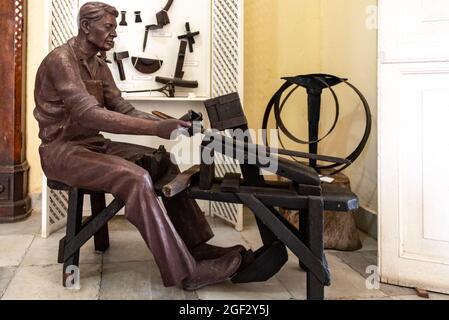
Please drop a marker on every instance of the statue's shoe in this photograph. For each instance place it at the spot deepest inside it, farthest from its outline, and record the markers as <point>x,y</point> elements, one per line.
<point>207,252</point>
<point>210,272</point>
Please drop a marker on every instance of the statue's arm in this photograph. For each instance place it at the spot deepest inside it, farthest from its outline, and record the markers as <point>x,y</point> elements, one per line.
<point>85,109</point>
<point>143,115</point>
<point>114,100</point>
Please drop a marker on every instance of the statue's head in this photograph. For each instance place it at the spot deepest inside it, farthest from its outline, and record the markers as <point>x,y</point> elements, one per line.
<point>97,21</point>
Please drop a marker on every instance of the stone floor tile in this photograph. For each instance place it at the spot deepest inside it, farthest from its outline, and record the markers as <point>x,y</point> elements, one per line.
<point>392,291</point>
<point>293,279</point>
<point>212,221</point>
<point>127,246</point>
<point>30,226</point>
<point>120,223</point>
<point>347,283</point>
<point>367,299</point>
<point>369,244</point>
<point>432,296</point>
<point>270,290</point>
<point>160,292</point>
<point>359,261</point>
<point>252,236</point>
<point>13,249</point>
<point>44,283</point>
<point>6,275</point>
<point>126,281</point>
<point>226,236</point>
<point>45,252</point>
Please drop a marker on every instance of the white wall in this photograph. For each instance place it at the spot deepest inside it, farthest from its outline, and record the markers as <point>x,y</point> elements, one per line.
<point>37,48</point>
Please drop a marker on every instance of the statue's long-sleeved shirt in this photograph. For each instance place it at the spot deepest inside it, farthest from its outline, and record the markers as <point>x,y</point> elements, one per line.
<point>75,101</point>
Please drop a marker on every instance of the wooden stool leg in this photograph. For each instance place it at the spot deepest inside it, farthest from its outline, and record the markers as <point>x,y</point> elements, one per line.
<point>302,234</point>
<point>74,223</point>
<point>314,220</point>
<point>98,204</point>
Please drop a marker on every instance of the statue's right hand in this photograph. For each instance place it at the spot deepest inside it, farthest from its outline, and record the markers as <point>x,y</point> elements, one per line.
<point>166,129</point>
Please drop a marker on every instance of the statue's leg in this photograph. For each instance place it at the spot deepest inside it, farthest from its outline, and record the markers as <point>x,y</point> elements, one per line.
<point>80,167</point>
<point>185,214</point>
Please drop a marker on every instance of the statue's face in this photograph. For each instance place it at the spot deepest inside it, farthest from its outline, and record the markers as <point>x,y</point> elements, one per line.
<point>103,32</point>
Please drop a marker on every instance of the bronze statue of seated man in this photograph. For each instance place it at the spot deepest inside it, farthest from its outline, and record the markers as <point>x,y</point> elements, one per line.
<point>76,99</point>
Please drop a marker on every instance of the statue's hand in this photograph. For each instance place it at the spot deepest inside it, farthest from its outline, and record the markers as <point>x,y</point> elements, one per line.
<point>168,129</point>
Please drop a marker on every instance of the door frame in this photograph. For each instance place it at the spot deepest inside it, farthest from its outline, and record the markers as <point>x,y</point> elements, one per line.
<point>395,263</point>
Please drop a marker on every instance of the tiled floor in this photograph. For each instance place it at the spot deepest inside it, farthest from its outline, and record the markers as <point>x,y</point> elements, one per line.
<point>28,269</point>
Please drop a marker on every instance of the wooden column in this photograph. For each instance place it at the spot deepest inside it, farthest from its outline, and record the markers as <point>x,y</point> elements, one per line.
<point>15,204</point>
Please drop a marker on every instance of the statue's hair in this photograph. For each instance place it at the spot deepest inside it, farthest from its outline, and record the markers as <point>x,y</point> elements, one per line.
<point>94,11</point>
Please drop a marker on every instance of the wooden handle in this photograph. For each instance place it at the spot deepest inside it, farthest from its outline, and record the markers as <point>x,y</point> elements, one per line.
<point>121,70</point>
<point>162,116</point>
<point>180,183</point>
<point>168,5</point>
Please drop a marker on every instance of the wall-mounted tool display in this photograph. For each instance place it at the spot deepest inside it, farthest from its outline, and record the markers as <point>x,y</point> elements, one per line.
<point>189,36</point>
<point>169,89</point>
<point>178,81</point>
<point>123,21</point>
<point>145,65</point>
<point>138,15</point>
<point>160,65</point>
<point>119,57</point>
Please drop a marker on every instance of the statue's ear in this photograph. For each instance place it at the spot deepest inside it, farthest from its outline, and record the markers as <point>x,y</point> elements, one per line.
<point>85,26</point>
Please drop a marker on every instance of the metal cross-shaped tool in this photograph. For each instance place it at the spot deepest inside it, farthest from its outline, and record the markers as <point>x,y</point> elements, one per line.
<point>178,81</point>
<point>190,36</point>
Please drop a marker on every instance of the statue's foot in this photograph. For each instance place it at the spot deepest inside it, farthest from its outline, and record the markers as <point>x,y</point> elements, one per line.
<point>210,272</point>
<point>206,251</point>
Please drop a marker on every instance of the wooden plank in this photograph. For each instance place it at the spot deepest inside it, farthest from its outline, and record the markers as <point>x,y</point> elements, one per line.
<point>258,149</point>
<point>207,176</point>
<point>74,222</point>
<point>271,197</point>
<point>101,238</point>
<point>231,183</point>
<point>73,245</point>
<point>313,264</point>
<point>314,221</point>
<point>180,183</point>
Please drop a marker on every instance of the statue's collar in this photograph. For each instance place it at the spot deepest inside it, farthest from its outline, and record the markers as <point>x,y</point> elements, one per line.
<point>82,58</point>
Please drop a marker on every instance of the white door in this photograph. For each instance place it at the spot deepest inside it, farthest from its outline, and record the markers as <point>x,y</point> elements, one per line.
<point>414,143</point>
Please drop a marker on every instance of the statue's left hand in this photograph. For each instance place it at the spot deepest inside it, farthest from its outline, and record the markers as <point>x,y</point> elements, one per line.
<point>167,129</point>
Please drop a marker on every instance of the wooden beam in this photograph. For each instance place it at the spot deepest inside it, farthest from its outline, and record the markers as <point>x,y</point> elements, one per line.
<point>95,224</point>
<point>313,264</point>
